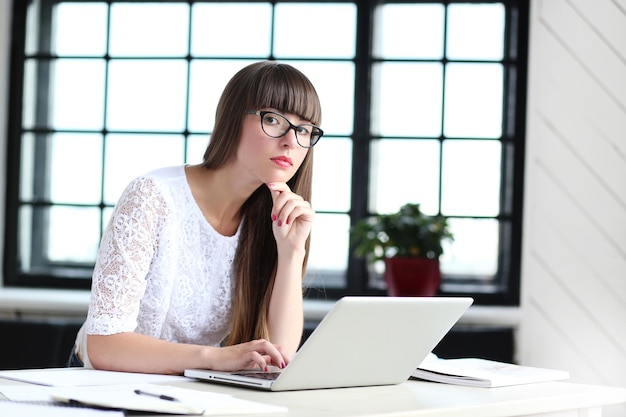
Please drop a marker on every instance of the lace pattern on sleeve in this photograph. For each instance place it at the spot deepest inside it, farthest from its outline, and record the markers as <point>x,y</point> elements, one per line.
<point>126,251</point>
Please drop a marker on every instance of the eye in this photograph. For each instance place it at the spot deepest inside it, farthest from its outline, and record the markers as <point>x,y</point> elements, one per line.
<point>304,130</point>
<point>270,119</point>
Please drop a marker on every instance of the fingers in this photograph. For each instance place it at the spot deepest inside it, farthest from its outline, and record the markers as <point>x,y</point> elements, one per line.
<point>263,354</point>
<point>288,206</point>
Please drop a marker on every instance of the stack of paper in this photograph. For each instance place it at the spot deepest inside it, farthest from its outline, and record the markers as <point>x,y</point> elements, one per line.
<point>483,373</point>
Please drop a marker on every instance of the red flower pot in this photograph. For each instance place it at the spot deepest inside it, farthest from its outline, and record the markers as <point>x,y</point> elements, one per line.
<point>412,277</point>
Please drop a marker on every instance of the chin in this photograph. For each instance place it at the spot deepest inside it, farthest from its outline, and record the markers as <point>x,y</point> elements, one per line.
<point>283,177</point>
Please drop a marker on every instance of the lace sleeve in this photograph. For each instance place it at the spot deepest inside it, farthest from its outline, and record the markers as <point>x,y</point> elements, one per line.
<point>126,251</point>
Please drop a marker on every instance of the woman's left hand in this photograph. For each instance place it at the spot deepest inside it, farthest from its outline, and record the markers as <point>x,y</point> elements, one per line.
<point>292,217</point>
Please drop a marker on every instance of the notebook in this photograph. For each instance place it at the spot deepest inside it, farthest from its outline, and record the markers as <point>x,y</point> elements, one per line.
<point>362,341</point>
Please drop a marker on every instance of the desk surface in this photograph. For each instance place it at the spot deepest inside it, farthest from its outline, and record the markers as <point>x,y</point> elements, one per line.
<point>414,398</point>
<point>417,398</point>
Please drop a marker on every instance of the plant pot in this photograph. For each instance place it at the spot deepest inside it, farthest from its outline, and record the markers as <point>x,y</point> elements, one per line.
<point>412,277</point>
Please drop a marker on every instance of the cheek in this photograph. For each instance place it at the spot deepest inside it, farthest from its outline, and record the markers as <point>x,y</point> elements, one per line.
<point>252,138</point>
<point>252,145</point>
<point>298,157</point>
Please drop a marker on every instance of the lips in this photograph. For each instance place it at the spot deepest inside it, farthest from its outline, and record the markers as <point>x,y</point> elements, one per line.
<point>283,161</point>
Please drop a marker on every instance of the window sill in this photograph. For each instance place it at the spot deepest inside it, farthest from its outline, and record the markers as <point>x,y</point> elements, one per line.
<point>315,310</point>
<point>37,303</point>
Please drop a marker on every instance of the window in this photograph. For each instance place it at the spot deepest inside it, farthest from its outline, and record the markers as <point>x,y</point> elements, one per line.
<point>423,102</point>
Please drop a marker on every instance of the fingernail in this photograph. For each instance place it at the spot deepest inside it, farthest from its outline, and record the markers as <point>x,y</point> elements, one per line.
<point>280,223</point>
<point>266,369</point>
<point>270,185</point>
<point>273,217</point>
<point>282,364</point>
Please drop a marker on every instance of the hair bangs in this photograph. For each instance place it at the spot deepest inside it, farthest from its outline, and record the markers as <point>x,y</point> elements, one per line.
<point>286,89</point>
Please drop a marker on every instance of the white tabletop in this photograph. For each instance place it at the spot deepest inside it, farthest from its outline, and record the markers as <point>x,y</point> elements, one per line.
<point>416,398</point>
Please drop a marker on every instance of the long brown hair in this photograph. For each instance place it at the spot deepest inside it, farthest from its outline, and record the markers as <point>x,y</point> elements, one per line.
<point>260,85</point>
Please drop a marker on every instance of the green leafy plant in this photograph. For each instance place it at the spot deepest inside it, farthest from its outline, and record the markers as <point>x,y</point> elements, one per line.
<point>406,233</point>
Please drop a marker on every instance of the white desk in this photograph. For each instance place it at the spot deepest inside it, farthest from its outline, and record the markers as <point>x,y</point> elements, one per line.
<point>413,398</point>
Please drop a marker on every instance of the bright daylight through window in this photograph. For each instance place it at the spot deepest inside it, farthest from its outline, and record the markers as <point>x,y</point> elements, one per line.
<point>423,102</point>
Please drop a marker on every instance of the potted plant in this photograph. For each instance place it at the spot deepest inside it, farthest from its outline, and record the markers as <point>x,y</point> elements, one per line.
<point>410,244</point>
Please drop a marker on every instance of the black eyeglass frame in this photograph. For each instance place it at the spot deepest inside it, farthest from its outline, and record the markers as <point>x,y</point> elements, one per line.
<point>262,114</point>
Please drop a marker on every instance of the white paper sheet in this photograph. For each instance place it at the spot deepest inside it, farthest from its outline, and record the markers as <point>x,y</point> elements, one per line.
<point>195,401</point>
<point>74,377</point>
<point>25,392</point>
<point>212,403</point>
<point>9,408</point>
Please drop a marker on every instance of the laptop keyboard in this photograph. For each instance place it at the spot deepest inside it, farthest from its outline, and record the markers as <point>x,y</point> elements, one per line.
<point>260,375</point>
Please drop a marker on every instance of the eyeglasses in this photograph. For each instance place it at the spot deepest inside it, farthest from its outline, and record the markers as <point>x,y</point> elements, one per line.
<point>275,125</point>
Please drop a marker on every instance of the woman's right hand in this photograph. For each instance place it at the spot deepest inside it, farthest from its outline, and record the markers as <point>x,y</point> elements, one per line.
<point>259,354</point>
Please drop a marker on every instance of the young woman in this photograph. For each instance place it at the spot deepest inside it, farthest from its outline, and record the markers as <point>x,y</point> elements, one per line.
<point>201,266</point>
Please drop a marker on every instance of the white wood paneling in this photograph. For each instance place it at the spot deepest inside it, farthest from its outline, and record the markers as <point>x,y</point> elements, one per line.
<point>573,313</point>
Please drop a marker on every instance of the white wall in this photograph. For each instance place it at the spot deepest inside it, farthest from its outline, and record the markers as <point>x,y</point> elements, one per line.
<point>574,251</point>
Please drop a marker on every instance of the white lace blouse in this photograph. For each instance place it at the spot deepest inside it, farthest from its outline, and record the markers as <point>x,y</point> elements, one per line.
<point>162,270</point>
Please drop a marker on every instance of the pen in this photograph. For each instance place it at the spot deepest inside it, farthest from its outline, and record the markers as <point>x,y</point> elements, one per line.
<point>161,396</point>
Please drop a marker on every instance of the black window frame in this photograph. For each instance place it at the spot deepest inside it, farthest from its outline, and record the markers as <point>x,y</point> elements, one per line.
<point>507,292</point>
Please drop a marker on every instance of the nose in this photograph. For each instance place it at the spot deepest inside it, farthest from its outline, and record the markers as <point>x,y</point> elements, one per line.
<point>289,139</point>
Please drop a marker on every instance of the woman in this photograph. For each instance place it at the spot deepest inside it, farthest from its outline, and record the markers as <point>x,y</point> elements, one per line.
<point>201,266</point>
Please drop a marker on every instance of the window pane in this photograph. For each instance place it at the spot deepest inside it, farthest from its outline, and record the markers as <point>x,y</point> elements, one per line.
<point>80,29</point>
<point>215,34</point>
<point>124,159</point>
<point>302,30</point>
<point>332,167</point>
<point>25,237</point>
<point>72,153</point>
<point>27,167</point>
<point>207,81</point>
<point>475,31</point>
<point>471,178</point>
<point>473,100</point>
<point>334,83</point>
<point>68,153</point>
<point>474,250</point>
<point>149,29</point>
<point>407,99</point>
<point>29,106</point>
<point>404,171</point>
<point>106,216</point>
<point>77,94</point>
<point>328,259</point>
<point>410,31</point>
<point>31,31</point>
<point>74,234</point>
<point>147,95</point>
<point>196,145</point>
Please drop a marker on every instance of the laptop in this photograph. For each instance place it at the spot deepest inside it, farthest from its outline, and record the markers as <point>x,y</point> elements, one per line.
<point>362,341</point>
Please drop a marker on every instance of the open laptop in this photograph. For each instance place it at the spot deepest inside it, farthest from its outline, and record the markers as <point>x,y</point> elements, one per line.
<point>362,341</point>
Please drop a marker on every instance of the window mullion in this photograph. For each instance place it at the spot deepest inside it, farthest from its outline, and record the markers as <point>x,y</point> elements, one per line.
<point>361,138</point>
<point>41,165</point>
